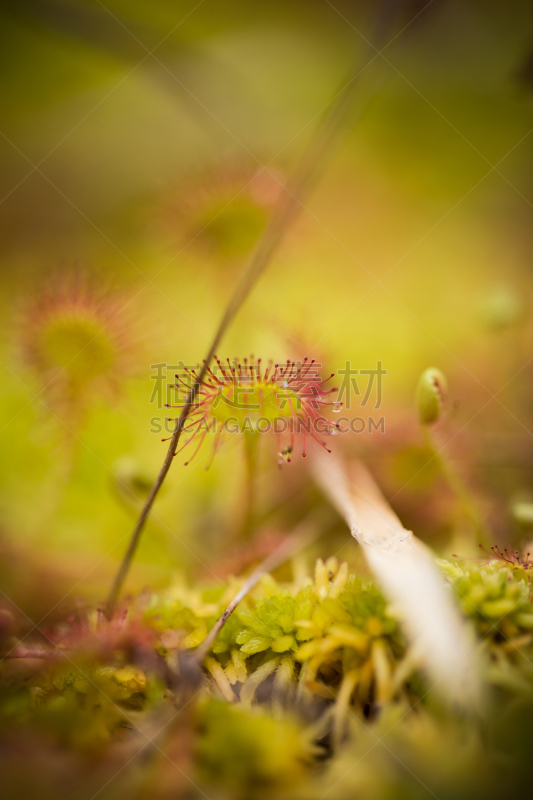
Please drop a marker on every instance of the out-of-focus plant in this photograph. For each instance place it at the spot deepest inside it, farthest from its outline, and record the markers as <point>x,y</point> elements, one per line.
<point>501,309</point>
<point>79,341</point>
<point>496,596</point>
<point>275,755</point>
<point>224,211</point>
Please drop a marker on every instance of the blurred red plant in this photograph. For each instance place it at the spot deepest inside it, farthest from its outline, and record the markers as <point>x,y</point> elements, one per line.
<point>79,340</point>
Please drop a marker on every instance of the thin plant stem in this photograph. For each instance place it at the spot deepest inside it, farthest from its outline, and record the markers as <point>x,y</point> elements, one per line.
<point>300,538</point>
<point>289,204</point>
<point>458,487</point>
<point>251,440</point>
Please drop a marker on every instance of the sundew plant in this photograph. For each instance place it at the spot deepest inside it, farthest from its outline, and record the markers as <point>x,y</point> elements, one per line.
<point>304,571</point>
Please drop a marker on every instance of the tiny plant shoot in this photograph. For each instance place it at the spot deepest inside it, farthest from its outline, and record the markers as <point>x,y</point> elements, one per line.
<point>431,403</point>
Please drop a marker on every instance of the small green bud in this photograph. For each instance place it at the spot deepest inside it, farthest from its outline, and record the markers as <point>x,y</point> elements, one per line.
<point>430,395</point>
<point>501,308</point>
<point>523,513</point>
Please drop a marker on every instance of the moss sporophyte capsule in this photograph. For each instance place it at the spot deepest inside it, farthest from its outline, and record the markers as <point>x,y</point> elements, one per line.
<point>430,396</point>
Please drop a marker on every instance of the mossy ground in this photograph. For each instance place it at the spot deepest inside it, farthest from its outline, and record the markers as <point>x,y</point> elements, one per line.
<point>304,679</point>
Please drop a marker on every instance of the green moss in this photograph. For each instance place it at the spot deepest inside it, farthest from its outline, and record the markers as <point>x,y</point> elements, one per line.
<point>248,752</point>
<point>494,595</point>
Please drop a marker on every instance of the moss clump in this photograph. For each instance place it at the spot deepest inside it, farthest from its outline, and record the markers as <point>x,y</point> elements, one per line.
<point>497,599</point>
<point>79,703</point>
<point>250,753</point>
<point>309,635</point>
<point>495,596</point>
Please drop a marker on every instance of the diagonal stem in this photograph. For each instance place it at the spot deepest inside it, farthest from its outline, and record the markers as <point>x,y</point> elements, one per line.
<point>291,201</point>
<point>458,486</point>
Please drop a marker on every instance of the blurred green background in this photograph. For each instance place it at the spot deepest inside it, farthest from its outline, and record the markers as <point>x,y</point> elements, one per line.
<point>128,126</point>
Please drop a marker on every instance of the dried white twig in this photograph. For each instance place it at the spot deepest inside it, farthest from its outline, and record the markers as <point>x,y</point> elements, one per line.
<point>405,568</point>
